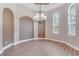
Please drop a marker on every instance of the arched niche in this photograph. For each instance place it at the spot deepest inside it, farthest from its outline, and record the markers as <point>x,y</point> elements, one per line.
<point>8,26</point>
<point>26,28</point>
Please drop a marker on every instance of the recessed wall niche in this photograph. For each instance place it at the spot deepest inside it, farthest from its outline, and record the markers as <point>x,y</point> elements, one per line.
<point>26,28</point>
<point>8,26</point>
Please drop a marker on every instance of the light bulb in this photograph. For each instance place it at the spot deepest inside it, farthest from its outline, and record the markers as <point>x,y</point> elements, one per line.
<point>45,17</point>
<point>42,15</point>
<point>37,15</point>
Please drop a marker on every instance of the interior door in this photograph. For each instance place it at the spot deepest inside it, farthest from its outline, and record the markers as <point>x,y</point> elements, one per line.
<point>41,29</point>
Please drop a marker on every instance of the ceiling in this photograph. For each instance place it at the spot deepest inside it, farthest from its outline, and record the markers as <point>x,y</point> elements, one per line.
<point>42,3</point>
<point>45,6</point>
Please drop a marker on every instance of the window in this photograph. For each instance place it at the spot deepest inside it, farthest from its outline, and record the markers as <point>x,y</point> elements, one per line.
<point>72,20</point>
<point>56,17</point>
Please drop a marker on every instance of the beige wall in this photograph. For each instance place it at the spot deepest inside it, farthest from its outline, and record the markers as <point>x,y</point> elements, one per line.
<point>18,12</point>
<point>63,35</point>
<point>10,6</point>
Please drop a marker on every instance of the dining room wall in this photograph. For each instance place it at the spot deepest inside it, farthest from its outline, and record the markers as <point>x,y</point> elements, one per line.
<point>63,25</point>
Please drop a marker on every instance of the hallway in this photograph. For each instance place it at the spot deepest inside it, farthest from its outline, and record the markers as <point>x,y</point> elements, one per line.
<point>40,48</point>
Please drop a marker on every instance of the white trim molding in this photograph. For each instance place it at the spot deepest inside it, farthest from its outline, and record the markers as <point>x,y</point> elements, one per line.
<point>6,47</point>
<point>9,45</point>
<point>26,40</point>
<point>21,41</point>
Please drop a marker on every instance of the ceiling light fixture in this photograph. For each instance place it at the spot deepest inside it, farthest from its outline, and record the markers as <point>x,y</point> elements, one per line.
<point>40,16</point>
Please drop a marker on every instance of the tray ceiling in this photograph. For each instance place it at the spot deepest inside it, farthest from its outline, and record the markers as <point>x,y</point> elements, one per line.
<point>45,6</point>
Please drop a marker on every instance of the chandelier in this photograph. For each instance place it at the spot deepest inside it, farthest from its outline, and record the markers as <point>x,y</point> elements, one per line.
<point>40,16</point>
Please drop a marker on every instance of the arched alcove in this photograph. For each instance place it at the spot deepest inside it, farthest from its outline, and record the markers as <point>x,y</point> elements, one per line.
<point>26,28</point>
<point>8,26</point>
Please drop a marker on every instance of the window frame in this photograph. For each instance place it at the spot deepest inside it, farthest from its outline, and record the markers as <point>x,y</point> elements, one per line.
<point>56,20</point>
<point>72,20</point>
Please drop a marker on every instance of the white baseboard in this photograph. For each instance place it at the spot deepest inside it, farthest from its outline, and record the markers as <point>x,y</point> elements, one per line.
<point>4,48</point>
<point>72,46</point>
<point>26,40</point>
<point>21,41</point>
<point>9,45</point>
<point>18,42</point>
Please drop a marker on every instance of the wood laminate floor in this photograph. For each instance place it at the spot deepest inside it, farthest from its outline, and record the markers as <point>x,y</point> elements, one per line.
<point>40,48</point>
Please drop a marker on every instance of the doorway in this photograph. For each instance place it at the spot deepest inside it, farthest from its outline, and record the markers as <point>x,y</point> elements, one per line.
<point>41,29</point>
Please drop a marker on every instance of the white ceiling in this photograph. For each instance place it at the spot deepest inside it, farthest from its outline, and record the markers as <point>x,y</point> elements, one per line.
<point>48,7</point>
